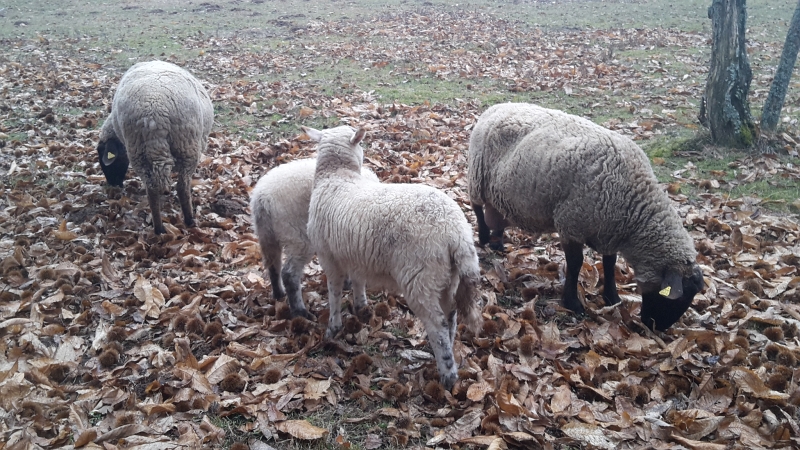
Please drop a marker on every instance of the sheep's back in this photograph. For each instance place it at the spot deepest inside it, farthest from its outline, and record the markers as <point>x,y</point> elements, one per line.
<point>385,231</point>
<point>546,171</point>
<point>284,194</point>
<point>162,107</point>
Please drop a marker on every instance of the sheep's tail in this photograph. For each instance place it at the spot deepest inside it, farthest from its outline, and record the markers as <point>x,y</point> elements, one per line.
<point>468,296</point>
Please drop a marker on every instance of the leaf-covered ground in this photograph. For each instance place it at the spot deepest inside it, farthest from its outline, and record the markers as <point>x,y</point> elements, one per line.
<point>114,338</point>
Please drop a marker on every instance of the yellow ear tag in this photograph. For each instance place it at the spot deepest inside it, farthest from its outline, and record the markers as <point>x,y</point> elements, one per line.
<point>111,155</point>
<point>665,291</point>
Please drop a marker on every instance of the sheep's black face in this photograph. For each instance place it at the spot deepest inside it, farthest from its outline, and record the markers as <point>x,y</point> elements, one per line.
<point>659,311</point>
<point>113,160</point>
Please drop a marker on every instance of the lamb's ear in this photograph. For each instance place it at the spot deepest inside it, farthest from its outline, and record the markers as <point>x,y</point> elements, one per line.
<point>315,135</point>
<point>110,151</point>
<point>358,137</point>
<point>672,285</point>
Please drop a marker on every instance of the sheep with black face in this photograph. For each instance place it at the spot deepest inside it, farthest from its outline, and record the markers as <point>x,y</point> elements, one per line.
<point>544,170</point>
<point>160,120</point>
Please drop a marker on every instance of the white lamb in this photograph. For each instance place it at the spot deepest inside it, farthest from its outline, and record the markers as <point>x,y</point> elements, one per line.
<point>409,238</point>
<point>279,205</point>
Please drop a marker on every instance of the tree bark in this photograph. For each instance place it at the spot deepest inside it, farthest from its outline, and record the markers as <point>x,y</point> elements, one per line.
<point>780,83</point>
<point>725,109</point>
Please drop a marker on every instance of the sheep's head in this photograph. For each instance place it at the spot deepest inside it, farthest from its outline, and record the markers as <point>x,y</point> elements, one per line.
<point>113,159</point>
<point>338,148</point>
<point>663,305</point>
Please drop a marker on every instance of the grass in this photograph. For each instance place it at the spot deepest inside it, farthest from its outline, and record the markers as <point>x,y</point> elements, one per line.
<point>710,162</point>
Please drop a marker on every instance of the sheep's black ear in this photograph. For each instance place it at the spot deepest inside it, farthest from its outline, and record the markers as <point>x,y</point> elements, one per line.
<point>315,135</point>
<point>672,285</point>
<point>358,137</point>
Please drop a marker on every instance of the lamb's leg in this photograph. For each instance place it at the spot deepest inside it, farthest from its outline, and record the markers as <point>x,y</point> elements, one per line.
<point>184,189</point>
<point>610,295</point>
<point>292,275</point>
<point>573,252</point>
<point>451,319</point>
<point>335,282</point>
<point>440,329</point>
<point>275,280</point>
<point>359,294</point>
<point>154,198</point>
<point>271,249</point>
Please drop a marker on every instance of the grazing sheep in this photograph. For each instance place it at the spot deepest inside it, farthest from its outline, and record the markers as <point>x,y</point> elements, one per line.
<point>160,119</point>
<point>412,239</point>
<point>279,204</point>
<point>544,170</point>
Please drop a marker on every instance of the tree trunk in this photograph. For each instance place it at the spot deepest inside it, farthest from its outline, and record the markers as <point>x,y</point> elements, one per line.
<point>777,92</point>
<point>725,108</point>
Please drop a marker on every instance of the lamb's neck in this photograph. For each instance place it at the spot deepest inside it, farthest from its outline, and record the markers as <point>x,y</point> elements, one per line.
<point>328,164</point>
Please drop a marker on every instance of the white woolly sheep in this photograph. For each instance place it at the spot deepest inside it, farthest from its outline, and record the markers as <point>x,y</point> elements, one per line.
<point>279,205</point>
<point>544,170</point>
<point>412,239</point>
<point>160,119</point>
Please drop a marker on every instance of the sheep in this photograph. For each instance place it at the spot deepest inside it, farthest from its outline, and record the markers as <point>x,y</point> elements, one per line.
<point>160,119</point>
<point>411,239</point>
<point>544,170</point>
<point>279,207</point>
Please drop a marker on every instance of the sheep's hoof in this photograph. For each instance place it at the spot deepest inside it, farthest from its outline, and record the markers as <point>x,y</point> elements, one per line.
<point>574,305</point>
<point>331,333</point>
<point>448,380</point>
<point>496,244</point>
<point>303,313</point>
<point>611,299</point>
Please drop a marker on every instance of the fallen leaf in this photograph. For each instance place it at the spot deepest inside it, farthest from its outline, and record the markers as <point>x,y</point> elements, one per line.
<point>301,429</point>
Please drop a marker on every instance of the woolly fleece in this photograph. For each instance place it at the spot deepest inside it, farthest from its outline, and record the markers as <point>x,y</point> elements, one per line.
<point>279,204</point>
<point>162,115</point>
<point>545,171</point>
<point>411,239</point>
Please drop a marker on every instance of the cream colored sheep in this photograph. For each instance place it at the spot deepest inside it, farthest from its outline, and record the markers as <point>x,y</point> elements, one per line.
<point>412,239</point>
<point>279,205</point>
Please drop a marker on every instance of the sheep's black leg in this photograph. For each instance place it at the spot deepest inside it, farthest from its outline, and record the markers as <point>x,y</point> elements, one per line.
<point>154,197</point>
<point>483,229</point>
<point>292,274</point>
<point>573,252</point>
<point>610,295</point>
<point>491,225</point>
<point>184,189</point>
<point>275,280</point>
